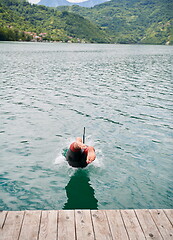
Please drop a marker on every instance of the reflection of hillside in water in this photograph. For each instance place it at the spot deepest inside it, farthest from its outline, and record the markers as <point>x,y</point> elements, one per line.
<point>79,192</point>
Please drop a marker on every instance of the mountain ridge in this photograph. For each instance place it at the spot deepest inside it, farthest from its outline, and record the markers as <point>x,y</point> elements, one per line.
<point>116,21</point>
<point>19,18</point>
<point>132,21</point>
<point>56,3</point>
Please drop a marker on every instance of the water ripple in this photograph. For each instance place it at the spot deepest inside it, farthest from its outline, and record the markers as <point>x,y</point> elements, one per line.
<point>122,94</point>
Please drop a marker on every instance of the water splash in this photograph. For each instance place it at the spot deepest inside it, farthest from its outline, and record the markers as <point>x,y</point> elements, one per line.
<point>60,160</point>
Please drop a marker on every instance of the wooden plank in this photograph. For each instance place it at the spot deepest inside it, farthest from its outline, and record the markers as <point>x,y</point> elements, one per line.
<point>2,218</point>
<point>48,226</point>
<point>86,224</point>
<point>30,227</point>
<point>100,224</point>
<point>132,225</point>
<point>84,228</point>
<point>66,225</point>
<point>149,228</point>
<point>116,225</point>
<point>162,223</point>
<point>169,214</point>
<point>12,226</point>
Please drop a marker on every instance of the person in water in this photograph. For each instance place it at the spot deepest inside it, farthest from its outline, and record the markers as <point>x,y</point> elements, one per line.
<point>80,155</point>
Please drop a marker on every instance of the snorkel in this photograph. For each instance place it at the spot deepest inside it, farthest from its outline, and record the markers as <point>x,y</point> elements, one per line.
<point>84,135</point>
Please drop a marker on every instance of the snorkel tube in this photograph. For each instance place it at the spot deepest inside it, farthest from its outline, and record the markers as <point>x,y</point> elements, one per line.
<point>84,135</point>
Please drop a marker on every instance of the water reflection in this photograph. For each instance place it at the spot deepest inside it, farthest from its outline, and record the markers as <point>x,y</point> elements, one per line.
<point>80,194</point>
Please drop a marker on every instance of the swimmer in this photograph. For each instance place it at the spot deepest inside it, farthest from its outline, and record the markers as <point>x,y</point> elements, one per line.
<point>80,155</point>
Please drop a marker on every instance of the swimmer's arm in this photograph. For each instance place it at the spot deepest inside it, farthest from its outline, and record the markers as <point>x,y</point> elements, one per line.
<point>91,156</point>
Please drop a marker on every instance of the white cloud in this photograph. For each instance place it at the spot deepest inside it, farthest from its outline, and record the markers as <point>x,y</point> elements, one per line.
<point>33,1</point>
<point>76,1</point>
<point>72,1</point>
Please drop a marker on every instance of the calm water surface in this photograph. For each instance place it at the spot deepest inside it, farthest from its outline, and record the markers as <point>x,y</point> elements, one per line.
<point>122,94</point>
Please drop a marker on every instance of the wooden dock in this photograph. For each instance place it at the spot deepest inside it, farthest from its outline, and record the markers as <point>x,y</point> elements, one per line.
<point>87,224</point>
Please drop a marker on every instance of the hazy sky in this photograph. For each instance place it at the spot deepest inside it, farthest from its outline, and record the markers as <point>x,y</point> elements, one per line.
<point>33,1</point>
<point>77,1</point>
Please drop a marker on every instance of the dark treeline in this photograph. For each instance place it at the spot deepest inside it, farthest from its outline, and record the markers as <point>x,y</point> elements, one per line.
<point>7,34</point>
<point>44,23</point>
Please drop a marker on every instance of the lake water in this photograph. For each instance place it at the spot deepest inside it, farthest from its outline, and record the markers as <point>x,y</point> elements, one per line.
<point>122,94</point>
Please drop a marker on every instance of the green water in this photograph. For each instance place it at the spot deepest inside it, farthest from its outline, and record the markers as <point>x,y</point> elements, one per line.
<point>122,94</point>
<point>80,194</point>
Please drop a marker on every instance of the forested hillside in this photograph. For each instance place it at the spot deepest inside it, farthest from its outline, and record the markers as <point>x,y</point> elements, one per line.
<point>132,21</point>
<point>116,21</point>
<point>20,20</point>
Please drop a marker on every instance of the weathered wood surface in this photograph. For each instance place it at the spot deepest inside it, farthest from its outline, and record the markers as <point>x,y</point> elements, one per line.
<point>87,224</point>
<point>84,227</point>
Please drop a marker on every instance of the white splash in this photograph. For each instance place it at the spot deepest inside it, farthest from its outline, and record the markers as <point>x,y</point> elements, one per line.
<point>60,160</point>
<point>99,159</point>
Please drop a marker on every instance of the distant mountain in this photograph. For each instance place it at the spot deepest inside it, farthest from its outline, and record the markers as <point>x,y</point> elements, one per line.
<point>115,21</point>
<point>22,20</point>
<point>56,3</point>
<point>132,21</point>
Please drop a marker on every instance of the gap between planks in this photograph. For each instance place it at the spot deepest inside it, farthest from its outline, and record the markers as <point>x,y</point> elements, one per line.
<point>87,224</point>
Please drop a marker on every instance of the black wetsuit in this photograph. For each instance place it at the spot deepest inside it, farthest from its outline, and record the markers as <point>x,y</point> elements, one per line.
<point>76,158</point>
